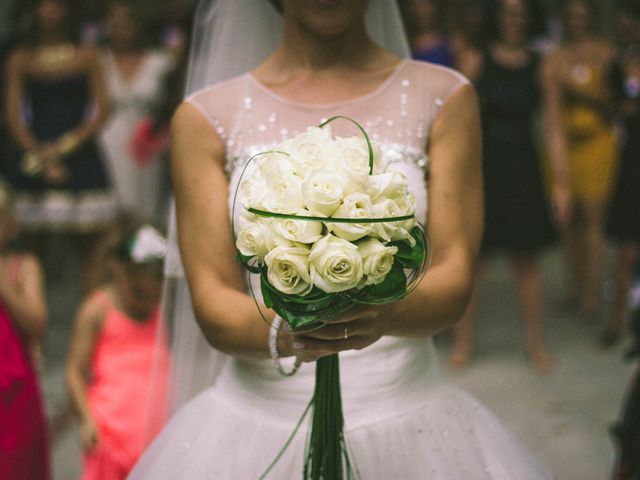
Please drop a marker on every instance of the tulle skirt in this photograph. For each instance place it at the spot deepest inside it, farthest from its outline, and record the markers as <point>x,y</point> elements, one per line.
<point>402,421</point>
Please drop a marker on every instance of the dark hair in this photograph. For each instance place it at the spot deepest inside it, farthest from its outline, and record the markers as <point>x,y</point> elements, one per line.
<point>408,16</point>
<point>277,4</point>
<point>142,15</point>
<point>458,14</point>
<point>595,11</point>
<point>536,24</point>
<point>7,195</point>
<point>124,242</point>
<point>27,9</point>
<point>631,7</point>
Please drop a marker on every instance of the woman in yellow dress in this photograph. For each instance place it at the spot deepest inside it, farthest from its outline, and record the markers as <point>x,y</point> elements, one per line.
<point>582,136</point>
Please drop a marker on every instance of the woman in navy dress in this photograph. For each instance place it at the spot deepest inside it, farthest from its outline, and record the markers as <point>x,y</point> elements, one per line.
<point>518,219</point>
<point>56,102</point>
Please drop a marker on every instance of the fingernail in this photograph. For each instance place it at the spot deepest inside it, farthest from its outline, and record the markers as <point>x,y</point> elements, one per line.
<point>298,346</point>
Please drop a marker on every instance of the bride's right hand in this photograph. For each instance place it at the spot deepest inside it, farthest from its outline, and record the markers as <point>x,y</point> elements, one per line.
<point>356,329</point>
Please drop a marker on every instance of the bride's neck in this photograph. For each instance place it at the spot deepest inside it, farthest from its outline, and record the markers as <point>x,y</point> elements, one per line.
<point>302,48</point>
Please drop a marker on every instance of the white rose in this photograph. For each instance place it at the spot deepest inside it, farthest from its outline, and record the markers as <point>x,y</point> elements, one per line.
<point>274,164</point>
<point>381,162</point>
<point>389,184</point>
<point>252,192</point>
<point>377,260</point>
<point>407,206</point>
<point>351,162</point>
<point>386,208</point>
<point>395,207</point>
<point>283,193</point>
<point>356,205</point>
<point>322,192</point>
<point>255,238</point>
<point>308,150</point>
<point>336,265</point>
<point>288,270</point>
<point>301,231</point>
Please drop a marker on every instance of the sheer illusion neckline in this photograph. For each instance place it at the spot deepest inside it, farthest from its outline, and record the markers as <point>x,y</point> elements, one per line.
<point>320,106</point>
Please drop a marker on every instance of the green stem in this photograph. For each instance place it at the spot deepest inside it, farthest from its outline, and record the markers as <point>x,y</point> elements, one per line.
<point>307,218</point>
<point>327,457</point>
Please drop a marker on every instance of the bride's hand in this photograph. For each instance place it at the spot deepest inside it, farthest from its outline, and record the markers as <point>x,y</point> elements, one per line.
<point>356,329</point>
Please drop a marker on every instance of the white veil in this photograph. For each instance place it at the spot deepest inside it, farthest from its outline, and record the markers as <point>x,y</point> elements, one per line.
<point>230,38</point>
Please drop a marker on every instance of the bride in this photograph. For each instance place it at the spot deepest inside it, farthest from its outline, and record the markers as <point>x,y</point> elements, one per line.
<point>328,57</point>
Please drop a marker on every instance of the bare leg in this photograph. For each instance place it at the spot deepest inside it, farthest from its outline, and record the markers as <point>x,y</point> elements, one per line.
<point>594,259</point>
<point>575,260</point>
<point>463,330</point>
<point>623,277</point>
<point>528,288</point>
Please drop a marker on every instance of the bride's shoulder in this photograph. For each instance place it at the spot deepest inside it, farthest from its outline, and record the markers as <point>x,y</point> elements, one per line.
<point>435,74</point>
<point>215,102</point>
<point>217,94</point>
<point>436,80</point>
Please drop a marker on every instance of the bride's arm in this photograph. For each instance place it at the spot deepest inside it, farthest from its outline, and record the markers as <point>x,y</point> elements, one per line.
<point>227,316</point>
<point>454,224</point>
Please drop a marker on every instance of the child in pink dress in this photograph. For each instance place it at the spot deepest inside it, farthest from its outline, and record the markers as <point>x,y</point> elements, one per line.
<point>23,317</point>
<point>116,369</point>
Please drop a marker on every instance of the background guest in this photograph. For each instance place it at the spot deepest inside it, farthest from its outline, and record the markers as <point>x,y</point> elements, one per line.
<point>135,75</point>
<point>24,447</point>
<point>112,353</point>
<point>623,223</point>
<point>425,24</point>
<point>581,132</point>
<point>517,219</point>
<point>55,105</point>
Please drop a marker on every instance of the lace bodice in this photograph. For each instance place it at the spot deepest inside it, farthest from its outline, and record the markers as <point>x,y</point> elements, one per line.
<point>398,114</point>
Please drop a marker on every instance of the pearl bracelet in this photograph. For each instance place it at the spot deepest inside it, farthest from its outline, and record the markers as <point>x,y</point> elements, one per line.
<point>273,348</point>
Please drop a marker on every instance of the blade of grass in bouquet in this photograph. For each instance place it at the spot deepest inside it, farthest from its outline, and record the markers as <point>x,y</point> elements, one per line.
<point>235,194</point>
<point>307,218</point>
<point>327,458</point>
<point>362,130</point>
<point>288,442</point>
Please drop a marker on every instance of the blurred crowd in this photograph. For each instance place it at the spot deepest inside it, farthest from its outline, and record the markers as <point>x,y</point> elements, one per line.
<point>89,89</point>
<point>559,90</point>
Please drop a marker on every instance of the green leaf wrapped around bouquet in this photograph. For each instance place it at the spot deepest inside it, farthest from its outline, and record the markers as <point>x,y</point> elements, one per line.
<point>248,262</point>
<point>311,310</point>
<point>392,289</point>
<point>411,257</point>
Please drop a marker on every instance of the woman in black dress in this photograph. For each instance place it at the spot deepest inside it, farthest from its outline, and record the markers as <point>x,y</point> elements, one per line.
<point>517,218</point>
<point>55,104</point>
<point>623,223</point>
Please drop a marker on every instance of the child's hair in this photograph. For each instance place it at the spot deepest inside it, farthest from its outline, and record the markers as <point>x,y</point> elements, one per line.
<point>139,244</point>
<point>7,199</point>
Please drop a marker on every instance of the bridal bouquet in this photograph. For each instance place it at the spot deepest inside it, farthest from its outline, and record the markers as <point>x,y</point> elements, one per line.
<point>327,224</point>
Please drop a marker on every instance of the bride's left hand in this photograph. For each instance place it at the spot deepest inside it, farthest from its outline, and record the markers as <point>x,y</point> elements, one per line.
<point>356,329</point>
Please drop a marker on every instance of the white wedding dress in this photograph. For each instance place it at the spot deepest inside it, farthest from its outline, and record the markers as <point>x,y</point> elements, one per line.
<point>402,420</point>
<point>138,187</point>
